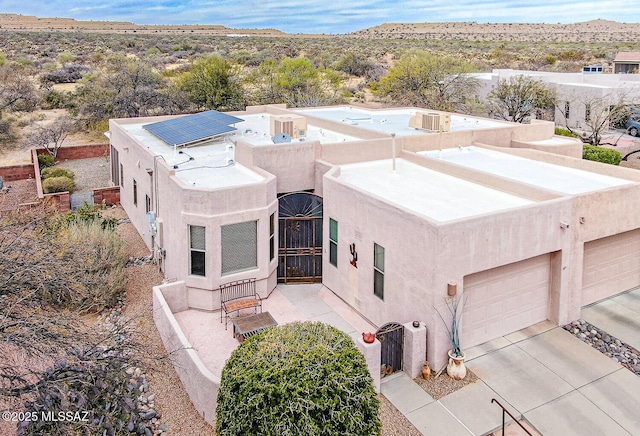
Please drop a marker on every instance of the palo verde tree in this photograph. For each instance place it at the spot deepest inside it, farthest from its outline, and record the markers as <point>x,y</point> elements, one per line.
<point>517,98</point>
<point>296,82</point>
<point>299,378</point>
<point>430,80</point>
<point>213,83</point>
<point>125,87</point>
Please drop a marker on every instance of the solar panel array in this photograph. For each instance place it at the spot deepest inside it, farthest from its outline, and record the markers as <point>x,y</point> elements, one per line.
<point>192,128</point>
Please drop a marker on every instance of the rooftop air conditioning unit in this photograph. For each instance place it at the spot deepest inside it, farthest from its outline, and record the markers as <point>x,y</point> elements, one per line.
<point>293,125</point>
<point>432,121</point>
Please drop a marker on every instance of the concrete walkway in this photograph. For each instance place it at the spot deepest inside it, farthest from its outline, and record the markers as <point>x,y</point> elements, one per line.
<point>559,384</point>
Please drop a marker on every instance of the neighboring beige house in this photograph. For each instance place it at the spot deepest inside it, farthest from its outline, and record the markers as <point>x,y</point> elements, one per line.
<point>582,97</point>
<point>627,62</point>
<point>509,214</point>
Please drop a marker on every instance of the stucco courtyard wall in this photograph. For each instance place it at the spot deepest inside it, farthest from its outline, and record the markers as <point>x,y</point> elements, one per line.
<point>201,385</point>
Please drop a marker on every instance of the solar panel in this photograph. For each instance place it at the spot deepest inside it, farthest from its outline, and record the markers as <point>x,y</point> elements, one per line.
<point>192,128</point>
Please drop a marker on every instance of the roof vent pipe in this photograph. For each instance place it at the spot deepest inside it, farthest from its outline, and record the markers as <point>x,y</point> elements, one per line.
<point>393,151</point>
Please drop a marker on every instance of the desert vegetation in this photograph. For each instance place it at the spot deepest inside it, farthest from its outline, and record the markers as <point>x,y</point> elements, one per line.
<point>57,271</point>
<point>100,75</point>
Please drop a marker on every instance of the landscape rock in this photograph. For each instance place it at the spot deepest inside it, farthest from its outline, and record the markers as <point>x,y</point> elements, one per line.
<point>606,344</point>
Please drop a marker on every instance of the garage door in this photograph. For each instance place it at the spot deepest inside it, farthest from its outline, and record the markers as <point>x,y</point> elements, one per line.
<point>503,300</point>
<point>611,266</point>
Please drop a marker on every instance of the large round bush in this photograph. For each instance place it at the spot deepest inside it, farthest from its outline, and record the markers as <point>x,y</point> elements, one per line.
<point>297,379</point>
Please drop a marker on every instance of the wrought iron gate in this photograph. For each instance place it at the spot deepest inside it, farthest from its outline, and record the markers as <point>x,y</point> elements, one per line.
<point>300,238</point>
<point>391,337</point>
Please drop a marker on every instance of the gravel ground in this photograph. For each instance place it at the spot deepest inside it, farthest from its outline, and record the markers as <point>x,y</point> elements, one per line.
<point>89,173</point>
<point>16,193</point>
<point>444,385</point>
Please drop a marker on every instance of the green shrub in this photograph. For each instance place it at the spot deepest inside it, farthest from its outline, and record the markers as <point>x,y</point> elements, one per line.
<point>600,154</point>
<point>565,132</point>
<point>57,184</point>
<point>46,160</point>
<point>299,378</point>
<point>87,214</point>
<point>56,172</point>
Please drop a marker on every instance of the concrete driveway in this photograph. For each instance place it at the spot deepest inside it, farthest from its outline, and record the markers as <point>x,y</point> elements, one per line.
<point>559,384</point>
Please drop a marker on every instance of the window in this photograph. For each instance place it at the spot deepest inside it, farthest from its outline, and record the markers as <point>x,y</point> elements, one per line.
<point>378,271</point>
<point>587,112</point>
<point>239,247</point>
<point>135,192</point>
<point>121,176</point>
<point>567,107</point>
<point>147,202</point>
<point>197,250</point>
<point>115,165</point>
<point>272,237</point>
<point>333,242</point>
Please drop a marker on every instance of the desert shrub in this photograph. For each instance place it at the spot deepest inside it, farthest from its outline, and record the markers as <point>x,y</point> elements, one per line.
<point>57,184</point>
<point>46,160</point>
<point>54,100</point>
<point>566,132</point>
<point>68,74</point>
<point>56,172</point>
<point>600,154</point>
<point>96,260</point>
<point>299,378</point>
<point>88,214</point>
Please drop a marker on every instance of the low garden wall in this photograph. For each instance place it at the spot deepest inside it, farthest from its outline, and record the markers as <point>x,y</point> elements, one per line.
<point>17,172</point>
<point>79,151</point>
<point>201,384</point>
<point>110,195</point>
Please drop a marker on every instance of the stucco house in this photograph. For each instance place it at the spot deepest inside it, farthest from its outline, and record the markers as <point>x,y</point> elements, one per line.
<point>581,96</point>
<point>627,62</point>
<point>390,209</point>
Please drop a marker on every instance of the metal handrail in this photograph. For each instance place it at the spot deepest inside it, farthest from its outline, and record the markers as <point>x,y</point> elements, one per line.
<point>493,400</point>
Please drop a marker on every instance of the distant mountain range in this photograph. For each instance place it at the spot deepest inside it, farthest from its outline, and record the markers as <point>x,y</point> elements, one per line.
<point>590,31</point>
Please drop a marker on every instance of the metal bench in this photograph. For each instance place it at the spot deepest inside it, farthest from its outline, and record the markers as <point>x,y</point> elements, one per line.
<point>238,295</point>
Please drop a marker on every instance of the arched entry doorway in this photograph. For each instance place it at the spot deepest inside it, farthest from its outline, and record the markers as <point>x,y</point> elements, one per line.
<point>299,238</point>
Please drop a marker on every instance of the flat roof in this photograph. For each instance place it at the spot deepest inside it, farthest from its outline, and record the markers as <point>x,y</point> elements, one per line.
<point>548,176</point>
<point>556,140</point>
<point>203,166</point>
<point>393,120</point>
<point>426,192</point>
<point>255,129</point>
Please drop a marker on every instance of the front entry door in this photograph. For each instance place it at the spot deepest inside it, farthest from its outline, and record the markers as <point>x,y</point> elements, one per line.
<point>300,238</point>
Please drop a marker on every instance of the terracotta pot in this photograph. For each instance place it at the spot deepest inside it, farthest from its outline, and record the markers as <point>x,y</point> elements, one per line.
<point>369,338</point>
<point>455,367</point>
<point>426,371</point>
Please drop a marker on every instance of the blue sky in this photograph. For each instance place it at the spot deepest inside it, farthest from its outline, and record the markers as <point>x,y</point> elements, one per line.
<point>326,16</point>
